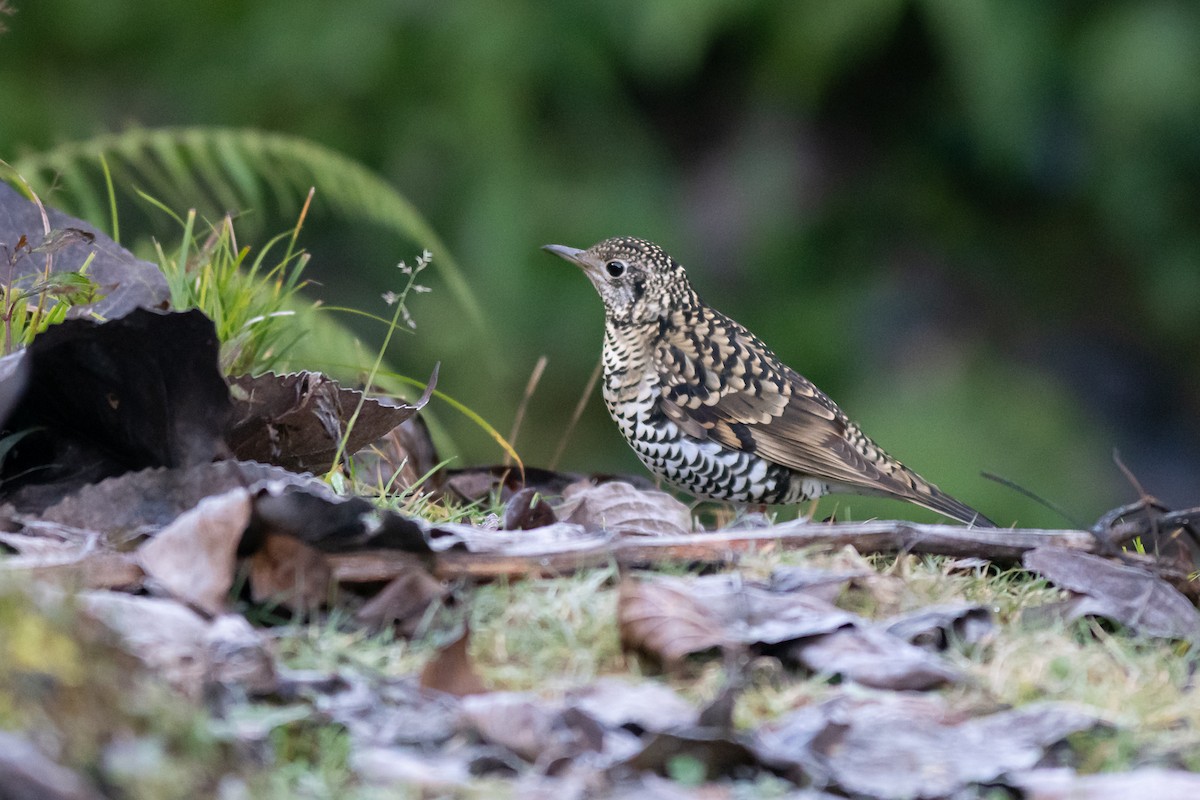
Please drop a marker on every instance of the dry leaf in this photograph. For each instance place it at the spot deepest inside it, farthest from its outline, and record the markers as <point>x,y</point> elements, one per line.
<point>297,421</point>
<point>638,707</point>
<point>102,399</point>
<point>822,583</point>
<point>1127,594</point>
<point>934,627</point>
<point>451,669</point>
<point>618,506</point>
<point>335,525</point>
<point>874,657</point>
<point>722,754</point>
<point>193,558</point>
<point>663,619</point>
<point>137,504</point>
<point>532,728</point>
<point>290,573</point>
<point>526,510</point>
<point>896,746</point>
<point>403,603</point>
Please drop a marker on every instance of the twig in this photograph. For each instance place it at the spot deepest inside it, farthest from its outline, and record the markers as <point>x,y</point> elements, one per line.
<point>535,377</point>
<point>577,413</point>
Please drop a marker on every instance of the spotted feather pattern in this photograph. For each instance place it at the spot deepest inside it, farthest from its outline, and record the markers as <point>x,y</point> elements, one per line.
<point>709,408</point>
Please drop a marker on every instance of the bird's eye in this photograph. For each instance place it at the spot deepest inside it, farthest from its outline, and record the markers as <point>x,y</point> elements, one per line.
<point>615,268</point>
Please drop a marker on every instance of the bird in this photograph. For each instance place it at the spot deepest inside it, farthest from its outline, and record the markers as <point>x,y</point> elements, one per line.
<point>711,410</point>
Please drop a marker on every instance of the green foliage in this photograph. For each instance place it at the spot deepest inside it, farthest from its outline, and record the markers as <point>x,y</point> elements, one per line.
<point>31,304</point>
<point>221,171</point>
<point>248,301</point>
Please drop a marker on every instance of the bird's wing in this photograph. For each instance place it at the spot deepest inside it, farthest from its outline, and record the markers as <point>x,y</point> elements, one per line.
<point>720,382</point>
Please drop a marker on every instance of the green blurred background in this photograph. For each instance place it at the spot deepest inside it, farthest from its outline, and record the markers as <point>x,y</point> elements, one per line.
<point>975,224</point>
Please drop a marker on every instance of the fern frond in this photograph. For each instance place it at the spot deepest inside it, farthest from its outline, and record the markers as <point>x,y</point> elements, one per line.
<point>223,170</point>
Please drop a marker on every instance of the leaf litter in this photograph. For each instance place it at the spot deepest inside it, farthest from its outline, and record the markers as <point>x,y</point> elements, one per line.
<point>166,505</point>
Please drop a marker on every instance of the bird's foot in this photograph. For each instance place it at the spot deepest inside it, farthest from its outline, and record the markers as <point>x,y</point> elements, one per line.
<point>749,518</point>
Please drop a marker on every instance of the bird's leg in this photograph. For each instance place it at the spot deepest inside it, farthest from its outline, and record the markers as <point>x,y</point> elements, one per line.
<point>749,516</point>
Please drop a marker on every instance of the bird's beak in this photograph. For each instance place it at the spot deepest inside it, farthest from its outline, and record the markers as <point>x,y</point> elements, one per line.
<point>572,254</point>
<point>580,259</point>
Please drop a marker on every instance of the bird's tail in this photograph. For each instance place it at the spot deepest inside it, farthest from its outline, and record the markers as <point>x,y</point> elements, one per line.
<point>935,499</point>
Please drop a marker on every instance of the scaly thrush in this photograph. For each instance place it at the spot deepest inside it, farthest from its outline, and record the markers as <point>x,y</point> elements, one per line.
<point>710,409</point>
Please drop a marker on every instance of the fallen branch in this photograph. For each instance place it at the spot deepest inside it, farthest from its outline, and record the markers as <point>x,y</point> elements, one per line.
<point>598,549</point>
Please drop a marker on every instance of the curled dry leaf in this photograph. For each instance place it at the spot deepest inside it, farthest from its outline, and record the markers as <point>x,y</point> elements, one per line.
<point>193,559</point>
<point>1130,595</point>
<point>70,557</point>
<point>297,421</point>
<point>451,669</point>
<point>335,525</point>
<point>619,506</point>
<point>663,619</point>
<point>722,754</point>
<point>671,618</point>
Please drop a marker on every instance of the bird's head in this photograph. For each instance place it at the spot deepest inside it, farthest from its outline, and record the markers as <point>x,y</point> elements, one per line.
<point>636,279</point>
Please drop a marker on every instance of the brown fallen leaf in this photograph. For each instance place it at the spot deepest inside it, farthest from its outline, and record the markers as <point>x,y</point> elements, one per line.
<point>194,558</point>
<point>873,657</point>
<point>897,746</point>
<point>1130,595</point>
<point>664,620</point>
<point>618,506</point>
<point>526,510</point>
<point>403,603</point>
<point>290,573</point>
<point>297,421</point>
<point>451,669</point>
